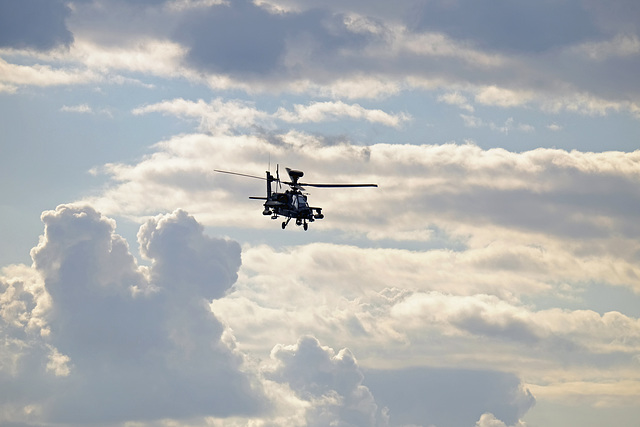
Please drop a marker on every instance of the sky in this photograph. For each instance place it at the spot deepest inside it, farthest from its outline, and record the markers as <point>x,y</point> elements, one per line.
<point>491,280</point>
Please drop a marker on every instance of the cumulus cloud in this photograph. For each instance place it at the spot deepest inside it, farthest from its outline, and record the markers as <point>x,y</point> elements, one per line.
<point>490,420</point>
<point>330,382</point>
<point>98,338</point>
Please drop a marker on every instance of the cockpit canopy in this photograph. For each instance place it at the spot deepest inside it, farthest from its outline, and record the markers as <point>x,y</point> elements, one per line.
<point>299,201</point>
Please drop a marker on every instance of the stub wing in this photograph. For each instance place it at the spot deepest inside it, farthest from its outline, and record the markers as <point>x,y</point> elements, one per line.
<point>269,203</point>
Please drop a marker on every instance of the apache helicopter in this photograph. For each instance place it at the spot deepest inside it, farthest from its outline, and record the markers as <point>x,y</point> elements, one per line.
<point>293,202</point>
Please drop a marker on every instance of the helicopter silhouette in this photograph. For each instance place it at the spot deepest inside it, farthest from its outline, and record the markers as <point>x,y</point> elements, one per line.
<point>292,203</point>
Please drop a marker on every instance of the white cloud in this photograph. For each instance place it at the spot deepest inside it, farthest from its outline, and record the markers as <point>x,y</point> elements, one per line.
<point>85,109</point>
<point>457,99</point>
<point>217,117</point>
<point>86,285</point>
<point>150,56</point>
<point>622,45</point>
<point>182,5</point>
<point>501,97</point>
<point>104,313</point>
<point>80,108</point>
<point>12,75</point>
<point>490,420</point>
<point>129,337</point>
<point>330,382</point>
<point>322,111</point>
<point>376,296</point>
<point>220,117</point>
<point>460,189</point>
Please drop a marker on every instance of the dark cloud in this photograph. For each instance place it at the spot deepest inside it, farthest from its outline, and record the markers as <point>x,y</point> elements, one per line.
<point>616,16</point>
<point>527,26</point>
<point>36,24</point>
<point>448,397</point>
<point>238,38</point>
<point>121,347</point>
<point>244,39</point>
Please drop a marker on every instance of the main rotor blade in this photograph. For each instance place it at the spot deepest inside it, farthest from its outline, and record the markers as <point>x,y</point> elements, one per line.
<point>337,185</point>
<point>241,174</point>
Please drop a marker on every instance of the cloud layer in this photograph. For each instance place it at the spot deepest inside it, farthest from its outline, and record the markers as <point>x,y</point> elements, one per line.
<point>90,336</point>
<point>555,62</point>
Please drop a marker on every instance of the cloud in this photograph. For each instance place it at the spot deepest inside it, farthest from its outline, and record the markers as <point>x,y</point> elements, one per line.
<point>508,126</point>
<point>119,341</point>
<point>34,24</point>
<point>180,5</point>
<point>44,75</point>
<point>80,108</point>
<point>219,39</point>
<point>455,187</point>
<point>508,26</point>
<point>217,117</point>
<point>379,303</point>
<point>490,420</point>
<point>439,397</point>
<point>85,109</point>
<point>455,98</point>
<point>277,42</point>
<point>186,260</point>
<point>401,297</point>
<point>140,55</point>
<point>223,117</point>
<point>622,45</point>
<point>354,50</point>
<point>321,111</point>
<point>87,324</point>
<point>330,382</point>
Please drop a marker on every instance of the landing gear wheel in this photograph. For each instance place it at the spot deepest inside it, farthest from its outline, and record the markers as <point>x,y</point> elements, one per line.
<point>284,224</point>
<point>305,226</point>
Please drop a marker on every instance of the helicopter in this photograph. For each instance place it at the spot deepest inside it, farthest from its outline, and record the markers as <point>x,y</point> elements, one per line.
<point>292,203</point>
